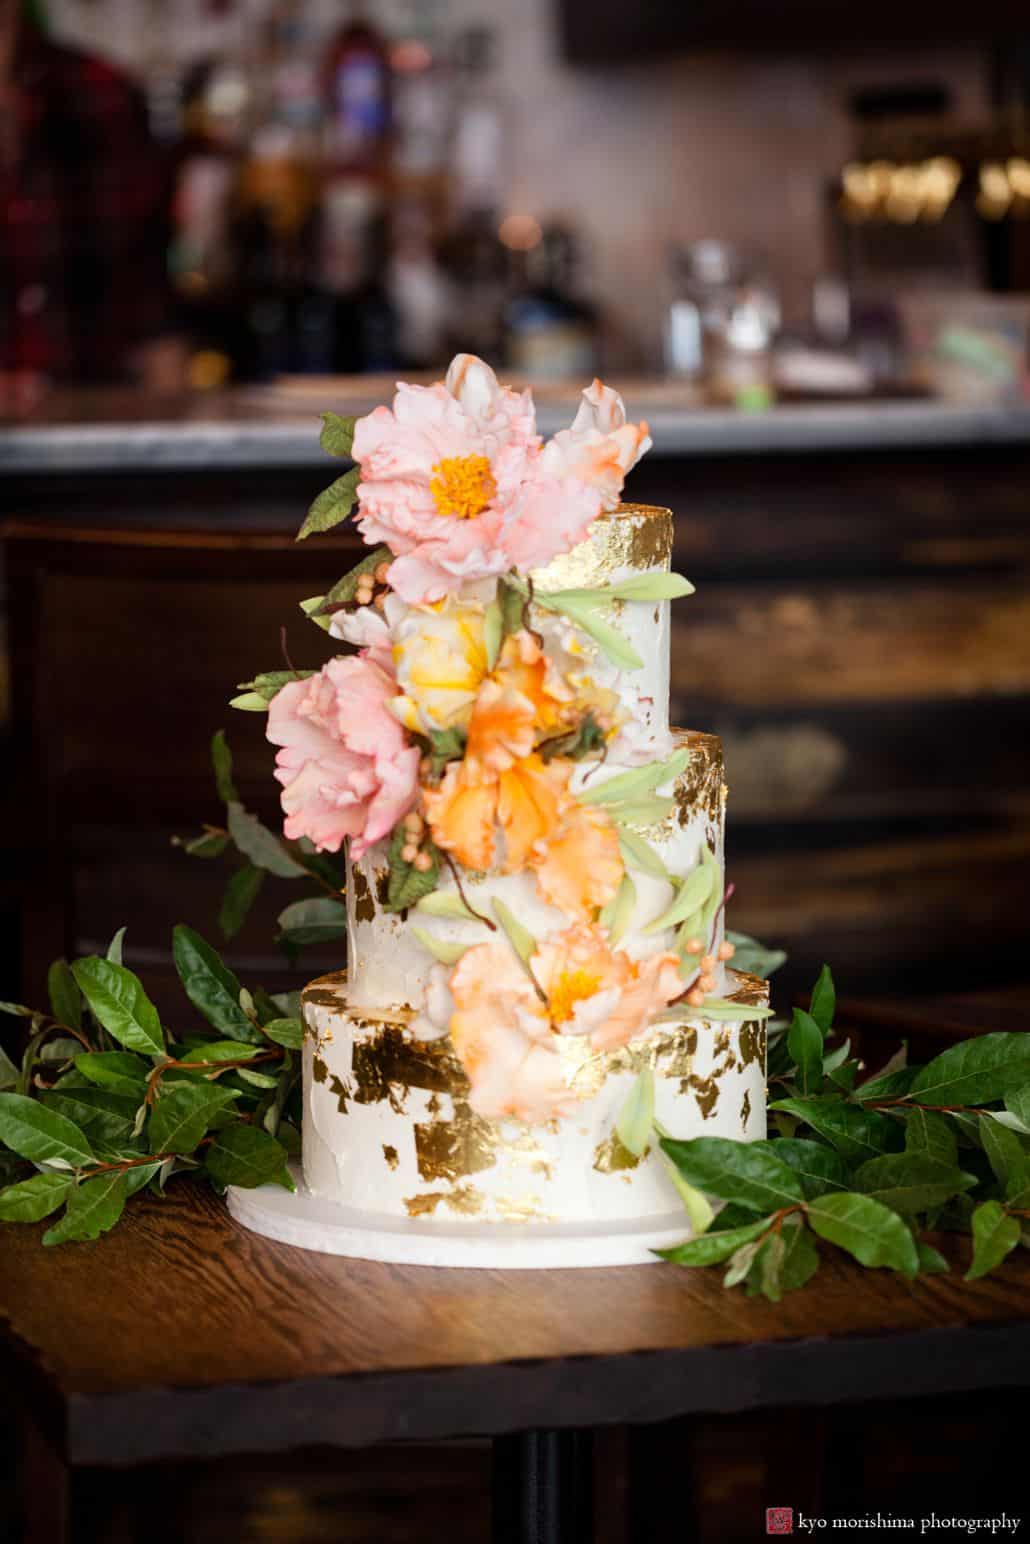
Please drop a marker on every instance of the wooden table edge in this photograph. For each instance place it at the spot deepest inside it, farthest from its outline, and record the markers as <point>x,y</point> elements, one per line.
<point>359,1410</point>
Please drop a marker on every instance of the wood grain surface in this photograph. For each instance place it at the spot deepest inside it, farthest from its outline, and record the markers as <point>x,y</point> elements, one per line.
<point>181,1333</point>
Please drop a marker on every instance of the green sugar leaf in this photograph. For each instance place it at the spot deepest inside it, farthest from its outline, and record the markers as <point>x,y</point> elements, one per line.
<point>247,1156</point>
<point>312,609</point>
<point>182,1115</point>
<point>493,632</point>
<point>692,893</point>
<point>746,1172</point>
<point>975,1071</point>
<point>721,1011</point>
<point>34,1198</point>
<point>640,855</point>
<point>120,1071</point>
<point>805,1044</point>
<point>337,436</point>
<point>753,957</point>
<point>636,1118</point>
<point>117,1001</point>
<point>266,686</point>
<point>857,1134</point>
<point>867,1229</point>
<point>446,903</point>
<point>345,590</point>
<point>581,607</point>
<point>65,997</point>
<point>911,1182</point>
<point>995,1235</point>
<point>332,505</point>
<point>651,587</point>
<point>696,1204</point>
<point>240,894</point>
<point>618,914</point>
<point>407,884</point>
<point>712,1248</point>
<point>41,1135</point>
<point>440,948</point>
<point>93,1208</point>
<point>637,783</point>
<point>824,1001</point>
<point>210,986</point>
<point>260,845</point>
<point>221,760</point>
<point>520,938</point>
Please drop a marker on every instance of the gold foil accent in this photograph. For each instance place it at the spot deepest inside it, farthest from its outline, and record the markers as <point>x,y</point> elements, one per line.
<point>635,536</point>
<point>466,1200</point>
<point>451,1149</point>
<point>391,1156</point>
<point>322,999</point>
<point>745,1109</point>
<point>433,1105</point>
<point>752,1044</point>
<point>706,1092</point>
<point>519,1211</point>
<point>668,1051</point>
<point>610,1156</point>
<point>390,1062</point>
<point>319,1070</point>
<point>364,905</point>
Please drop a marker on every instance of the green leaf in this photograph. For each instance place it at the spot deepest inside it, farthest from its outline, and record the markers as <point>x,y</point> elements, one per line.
<point>114,948</point>
<point>41,1135</point>
<point>493,632</point>
<point>104,1115</point>
<point>64,995</point>
<point>834,1061</point>
<point>692,893</point>
<point>767,1267</point>
<point>911,1182</point>
<point>441,949</point>
<point>447,903</point>
<point>221,758</point>
<point>805,1044</point>
<point>651,587</point>
<point>407,884</point>
<point>753,957</point>
<point>240,894</point>
<point>641,812</point>
<point>696,1204</point>
<point>141,1174</point>
<point>215,1052</point>
<point>712,1248</point>
<point>258,1079</point>
<point>887,1085</point>
<point>34,1198</point>
<point>210,844</point>
<point>181,1117</point>
<point>344,590</point>
<point>824,1001</point>
<point>856,1133</point>
<point>312,609</point>
<point>247,1156</point>
<point>1017,1102</point>
<point>975,1071</point>
<point>1005,1152</point>
<point>117,1001</point>
<point>61,1049</point>
<point>287,1032</point>
<point>93,1208</point>
<point>8,1071</point>
<point>866,1228</point>
<point>639,854</point>
<point>337,436</point>
<point>720,1011</point>
<point>636,1118</point>
<point>332,505</point>
<point>520,938</point>
<point>820,1169</point>
<point>928,1132</point>
<point>210,986</point>
<point>637,783</point>
<point>120,1071</point>
<point>318,920</point>
<point>260,845</point>
<point>801,1258</point>
<point>267,685</point>
<point>995,1235</point>
<point>618,913</point>
<point>584,614</point>
<point>17,1010</point>
<point>931,1261</point>
<point>740,1263</point>
<point>746,1172</point>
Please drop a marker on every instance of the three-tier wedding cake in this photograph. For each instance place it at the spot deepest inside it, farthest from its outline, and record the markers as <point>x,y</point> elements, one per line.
<point>537,981</point>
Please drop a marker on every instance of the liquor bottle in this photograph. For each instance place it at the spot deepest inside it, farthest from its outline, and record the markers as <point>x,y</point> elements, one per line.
<point>356,97</point>
<point>552,331</point>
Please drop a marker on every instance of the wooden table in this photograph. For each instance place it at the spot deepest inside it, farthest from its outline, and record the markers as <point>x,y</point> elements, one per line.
<point>181,1335</point>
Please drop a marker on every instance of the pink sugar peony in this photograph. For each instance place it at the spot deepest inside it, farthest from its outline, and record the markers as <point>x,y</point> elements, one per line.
<point>345,764</point>
<point>600,447</point>
<point>453,481</point>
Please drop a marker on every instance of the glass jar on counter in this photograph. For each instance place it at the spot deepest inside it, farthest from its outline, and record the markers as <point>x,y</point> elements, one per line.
<point>721,323</point>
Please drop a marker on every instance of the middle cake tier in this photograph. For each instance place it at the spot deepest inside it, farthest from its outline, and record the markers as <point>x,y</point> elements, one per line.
<point>389,966</point>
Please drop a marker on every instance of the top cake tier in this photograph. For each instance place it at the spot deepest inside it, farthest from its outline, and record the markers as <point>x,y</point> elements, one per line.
<point>634,539</point>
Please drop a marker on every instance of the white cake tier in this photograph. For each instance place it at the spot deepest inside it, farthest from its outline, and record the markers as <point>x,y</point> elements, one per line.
<point>388,1129</point>
<point>635,539</point>
<point>389,967</point>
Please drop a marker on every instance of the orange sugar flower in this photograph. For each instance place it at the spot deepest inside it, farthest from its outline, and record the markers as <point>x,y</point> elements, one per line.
<point>475,801</point>
<point>581,866</point>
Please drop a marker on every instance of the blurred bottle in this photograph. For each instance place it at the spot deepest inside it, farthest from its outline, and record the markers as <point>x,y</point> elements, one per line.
<point>551,330</point>
<point>478,173</point>
<point>356,95</point>
<point>721,323</point>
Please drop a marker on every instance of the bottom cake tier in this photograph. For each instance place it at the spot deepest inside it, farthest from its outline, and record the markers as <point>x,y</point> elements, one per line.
<point>388,1128</point>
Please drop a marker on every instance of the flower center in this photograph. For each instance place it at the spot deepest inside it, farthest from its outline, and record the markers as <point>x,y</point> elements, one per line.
<point>462,486</point>
<point>571,987</point>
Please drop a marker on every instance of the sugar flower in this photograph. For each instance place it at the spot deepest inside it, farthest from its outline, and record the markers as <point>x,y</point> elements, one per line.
<point>506,1023</point>
<point>345,764</point>
<point>454,482</point>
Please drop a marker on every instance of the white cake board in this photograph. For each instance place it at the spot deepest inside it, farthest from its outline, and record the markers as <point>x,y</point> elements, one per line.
<point>311,1222</point>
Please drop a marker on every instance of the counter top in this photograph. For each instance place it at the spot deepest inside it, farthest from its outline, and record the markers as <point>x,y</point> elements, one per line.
<point>104,432</point>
